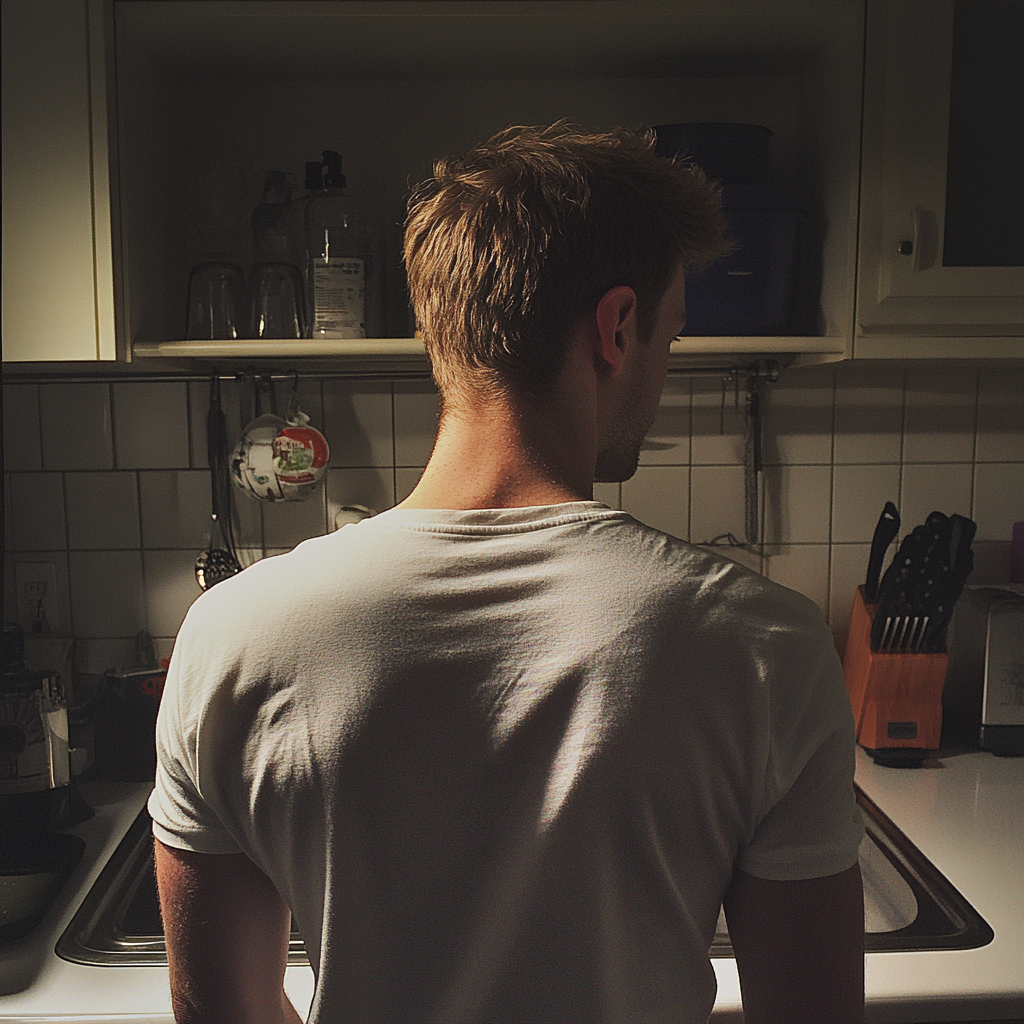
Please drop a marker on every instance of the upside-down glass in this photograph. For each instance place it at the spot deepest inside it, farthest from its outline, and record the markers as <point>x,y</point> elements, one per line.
<point>217,306</point>
<point>277,302</point>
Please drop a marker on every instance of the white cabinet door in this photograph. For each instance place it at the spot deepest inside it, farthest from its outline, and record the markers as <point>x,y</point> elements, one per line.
<point>58,297</point>
<point>942,189</point>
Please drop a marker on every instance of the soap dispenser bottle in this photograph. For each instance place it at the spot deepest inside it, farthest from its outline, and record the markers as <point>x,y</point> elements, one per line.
<point>339,268</point>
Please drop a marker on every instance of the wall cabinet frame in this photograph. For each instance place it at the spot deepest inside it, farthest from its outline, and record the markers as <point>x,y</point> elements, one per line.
<point>192,99</point>
<point>59,226</point>
<point>912,297</point>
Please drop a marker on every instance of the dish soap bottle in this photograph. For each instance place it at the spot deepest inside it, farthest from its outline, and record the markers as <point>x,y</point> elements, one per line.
<point>340,270</point>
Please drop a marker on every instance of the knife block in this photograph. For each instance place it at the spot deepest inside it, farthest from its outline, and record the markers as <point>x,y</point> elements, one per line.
<point>896,698</point>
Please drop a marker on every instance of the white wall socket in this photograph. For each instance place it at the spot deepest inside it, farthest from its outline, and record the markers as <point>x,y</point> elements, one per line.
<point>37,597</point>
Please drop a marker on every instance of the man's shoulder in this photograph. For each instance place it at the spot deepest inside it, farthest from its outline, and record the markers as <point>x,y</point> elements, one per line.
<point>721,590</point>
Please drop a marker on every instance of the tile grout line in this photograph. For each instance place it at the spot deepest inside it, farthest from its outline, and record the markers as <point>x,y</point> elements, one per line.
<point>67,553</point>
<point>113,427</point>
<point>831,503</point>
<point>394,447</point>
<point>974,451</point>
<point>903,441</point>
<point>689,468</point>
<point>142,551</point>
<point>39,425</point>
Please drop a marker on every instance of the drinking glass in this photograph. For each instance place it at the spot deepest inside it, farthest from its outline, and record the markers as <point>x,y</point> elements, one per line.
<point>217,307</point>
<point>277,304</point>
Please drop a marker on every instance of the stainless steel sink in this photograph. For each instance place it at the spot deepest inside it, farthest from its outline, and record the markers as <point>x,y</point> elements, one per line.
<point>908,904</point>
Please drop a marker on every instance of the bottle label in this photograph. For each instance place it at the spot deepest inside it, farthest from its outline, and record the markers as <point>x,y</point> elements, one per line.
<point>339,297</point>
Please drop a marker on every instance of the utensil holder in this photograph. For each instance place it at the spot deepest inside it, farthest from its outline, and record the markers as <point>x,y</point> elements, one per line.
<point>896,698</point>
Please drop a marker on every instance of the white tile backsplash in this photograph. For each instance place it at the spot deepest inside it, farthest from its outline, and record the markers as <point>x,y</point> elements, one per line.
<point>868,415</point>
<point>416,410</point>
<point>103,510</point>
<point>609,494</point>
<point>718,425</point>
<point>358,423</point>
<point>859,494</point>
<point>941,409</point>
<point>801,567</point>
<point>928,488</point>
<point>36,511</point>
<point>998,499</point>
<point>8,514</point>
<point>797,500</point>
<point>247,517</point>
<point>107,593</point>
<point>716,503</point>
<point>991,563</point>
<point>171,588</point>
<point>231,403</point>
<point>660,497</point>
<point>151,426</point>
<point>798,420</point>
<point>372,488</point>
<point>76,426</point>
<point>1001,415</point>
<point>668,440</point>
<point>287,523</point>
<point>135,533</point>
<point>22,447</point>
<point>405,481</point>
<point>848,569</point>
<point>96,656</point>
<point>176,507</point>
<point>10,591</point>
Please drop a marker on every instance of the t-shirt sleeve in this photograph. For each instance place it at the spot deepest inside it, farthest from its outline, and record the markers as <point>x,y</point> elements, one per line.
<point>810,826</point>
<point>182,818</point>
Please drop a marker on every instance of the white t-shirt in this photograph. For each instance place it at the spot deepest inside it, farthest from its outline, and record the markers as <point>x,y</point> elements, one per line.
<point>503,764</point>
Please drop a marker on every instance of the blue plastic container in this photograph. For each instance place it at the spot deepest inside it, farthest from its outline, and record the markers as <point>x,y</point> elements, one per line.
<point>750,292</point>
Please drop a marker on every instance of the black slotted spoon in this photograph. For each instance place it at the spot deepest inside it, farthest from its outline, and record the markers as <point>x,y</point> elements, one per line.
<point>216,564</point>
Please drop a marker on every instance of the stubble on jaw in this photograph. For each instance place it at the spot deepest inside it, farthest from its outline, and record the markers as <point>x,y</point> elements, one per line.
<point>618,454</point>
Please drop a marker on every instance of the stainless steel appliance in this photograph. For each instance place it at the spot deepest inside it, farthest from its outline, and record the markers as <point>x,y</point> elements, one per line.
<point>34,758</point>
<point>37,796</point>
<point>983,700</point>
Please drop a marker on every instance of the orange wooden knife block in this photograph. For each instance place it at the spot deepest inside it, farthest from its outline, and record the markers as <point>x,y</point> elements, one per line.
<point>896,698</point>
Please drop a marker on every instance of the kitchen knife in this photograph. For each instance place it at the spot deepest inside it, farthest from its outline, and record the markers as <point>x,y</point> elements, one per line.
<point>885,533</point>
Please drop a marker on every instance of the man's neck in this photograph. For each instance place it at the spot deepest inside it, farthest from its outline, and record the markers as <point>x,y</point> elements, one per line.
<point>502,453</point>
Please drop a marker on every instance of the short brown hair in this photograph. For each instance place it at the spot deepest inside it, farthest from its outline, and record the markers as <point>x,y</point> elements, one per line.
<point>507,247</point>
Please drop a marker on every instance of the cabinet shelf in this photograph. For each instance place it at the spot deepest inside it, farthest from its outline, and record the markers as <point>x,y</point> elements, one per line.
<point>403,349</point>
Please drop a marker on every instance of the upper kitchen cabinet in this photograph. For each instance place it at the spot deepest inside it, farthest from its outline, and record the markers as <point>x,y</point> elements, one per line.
<point>58,282</point>
<point>212,95</point>
<point>941,265</point>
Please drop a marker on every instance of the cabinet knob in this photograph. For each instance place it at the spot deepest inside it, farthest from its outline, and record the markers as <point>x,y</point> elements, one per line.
<point>905,248</point>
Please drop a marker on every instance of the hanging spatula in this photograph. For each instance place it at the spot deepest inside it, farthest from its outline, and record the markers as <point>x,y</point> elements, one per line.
<point>218,562</point>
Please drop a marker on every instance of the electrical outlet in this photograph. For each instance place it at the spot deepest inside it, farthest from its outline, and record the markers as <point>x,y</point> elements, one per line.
<point>37,597</point>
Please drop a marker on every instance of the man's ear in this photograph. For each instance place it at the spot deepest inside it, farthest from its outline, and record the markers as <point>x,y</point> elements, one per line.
<point>616,327</point>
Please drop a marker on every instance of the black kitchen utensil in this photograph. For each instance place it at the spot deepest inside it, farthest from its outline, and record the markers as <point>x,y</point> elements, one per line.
<point>885,533</point>
<point>219,561</point>
<point>961,531</point>
<point>921,586</point>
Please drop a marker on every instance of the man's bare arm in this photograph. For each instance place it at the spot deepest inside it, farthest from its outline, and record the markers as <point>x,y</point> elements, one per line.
<point>799,948</point>
<point>227,935</point>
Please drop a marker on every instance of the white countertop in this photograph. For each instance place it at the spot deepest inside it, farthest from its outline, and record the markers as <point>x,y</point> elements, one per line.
<point>964,812</point>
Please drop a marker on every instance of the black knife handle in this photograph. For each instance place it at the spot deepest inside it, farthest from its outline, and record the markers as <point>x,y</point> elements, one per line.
<point>885,532</point>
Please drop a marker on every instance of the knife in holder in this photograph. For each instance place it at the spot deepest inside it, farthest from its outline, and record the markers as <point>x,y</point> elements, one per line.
<point>896,697</point>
